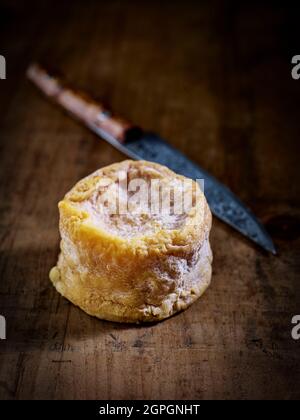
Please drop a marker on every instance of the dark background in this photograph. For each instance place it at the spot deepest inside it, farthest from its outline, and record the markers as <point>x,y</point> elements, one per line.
<point>215,79</point>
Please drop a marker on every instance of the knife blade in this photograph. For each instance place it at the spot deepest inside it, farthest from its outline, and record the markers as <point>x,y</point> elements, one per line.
<point>137,144</point>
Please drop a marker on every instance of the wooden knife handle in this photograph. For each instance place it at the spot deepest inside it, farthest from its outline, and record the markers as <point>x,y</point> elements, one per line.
<point>79,104</point>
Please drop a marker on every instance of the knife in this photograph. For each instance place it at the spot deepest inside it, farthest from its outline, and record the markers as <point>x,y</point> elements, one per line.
<point>137,144</point>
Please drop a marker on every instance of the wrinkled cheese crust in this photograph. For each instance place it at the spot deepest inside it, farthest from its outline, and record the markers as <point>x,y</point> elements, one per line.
<point>131,267</point>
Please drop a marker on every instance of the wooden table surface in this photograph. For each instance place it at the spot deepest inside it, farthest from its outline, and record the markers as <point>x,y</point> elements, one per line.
<point>215,79</point>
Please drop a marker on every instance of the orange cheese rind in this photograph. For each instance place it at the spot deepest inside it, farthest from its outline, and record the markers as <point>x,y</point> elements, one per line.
<point>132,267</point>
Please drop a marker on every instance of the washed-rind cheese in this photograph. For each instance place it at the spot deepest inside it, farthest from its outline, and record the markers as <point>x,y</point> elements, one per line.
<point>132,249</point>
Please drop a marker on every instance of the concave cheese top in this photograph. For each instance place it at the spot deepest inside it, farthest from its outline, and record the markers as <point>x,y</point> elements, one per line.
<point>138,198</point>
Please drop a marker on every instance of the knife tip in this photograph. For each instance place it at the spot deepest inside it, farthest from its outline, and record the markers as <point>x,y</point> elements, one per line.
<point>270,247</point>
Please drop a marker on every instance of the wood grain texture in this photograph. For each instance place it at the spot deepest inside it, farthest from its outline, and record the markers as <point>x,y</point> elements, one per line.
<point>215,79</point>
